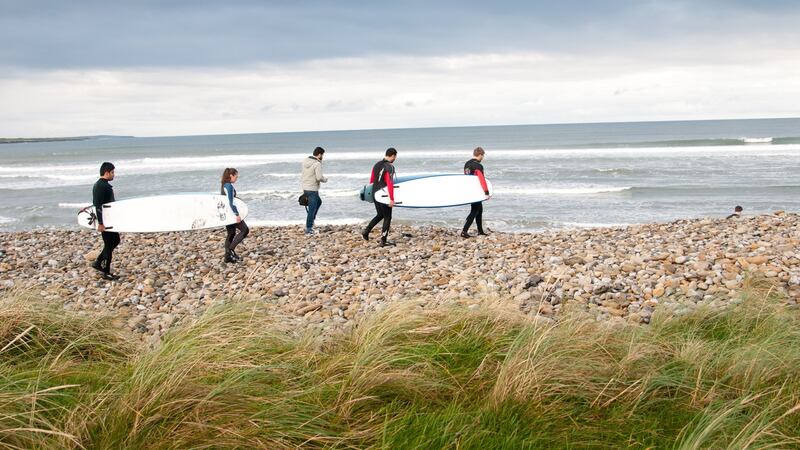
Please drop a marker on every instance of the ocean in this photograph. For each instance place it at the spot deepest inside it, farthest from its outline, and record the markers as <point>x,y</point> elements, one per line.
<point>545,176</point>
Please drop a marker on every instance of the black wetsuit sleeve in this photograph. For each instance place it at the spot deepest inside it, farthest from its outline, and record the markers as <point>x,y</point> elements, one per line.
<point>97,201</point>
<point>102,193</point>
<point>378,170</point>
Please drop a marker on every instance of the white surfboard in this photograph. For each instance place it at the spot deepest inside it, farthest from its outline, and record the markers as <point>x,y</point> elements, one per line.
<point>435,191</point>
<point>178,212</point>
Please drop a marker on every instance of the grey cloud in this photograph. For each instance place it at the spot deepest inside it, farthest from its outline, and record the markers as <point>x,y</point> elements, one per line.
<point>149,33</point>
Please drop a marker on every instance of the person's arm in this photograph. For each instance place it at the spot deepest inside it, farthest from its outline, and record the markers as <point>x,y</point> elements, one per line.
<point>97,201</point>
<point>372,176</point>
<point>318,174</point>
<point>389,185</point>
<point>229,191</point>
<point>482,179</point>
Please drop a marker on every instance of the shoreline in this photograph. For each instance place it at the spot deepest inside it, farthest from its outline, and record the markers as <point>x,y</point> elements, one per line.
<point>618,274</point>
<point>396,223</point>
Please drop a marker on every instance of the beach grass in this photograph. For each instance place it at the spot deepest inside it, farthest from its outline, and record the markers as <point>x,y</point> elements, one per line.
<point>405,377</point>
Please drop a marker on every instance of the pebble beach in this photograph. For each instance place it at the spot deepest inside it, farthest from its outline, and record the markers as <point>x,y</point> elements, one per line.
<point>324,281</point>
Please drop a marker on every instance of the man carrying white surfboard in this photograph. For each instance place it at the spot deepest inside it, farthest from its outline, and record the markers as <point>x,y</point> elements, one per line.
<point>383,177</point>
<point>103,193</point>
<point>474,167</point>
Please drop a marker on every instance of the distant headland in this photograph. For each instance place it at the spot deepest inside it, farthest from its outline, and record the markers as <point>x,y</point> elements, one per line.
<point>57,139</point>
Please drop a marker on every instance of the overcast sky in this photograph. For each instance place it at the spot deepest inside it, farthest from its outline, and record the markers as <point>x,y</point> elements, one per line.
<point>151,67</point>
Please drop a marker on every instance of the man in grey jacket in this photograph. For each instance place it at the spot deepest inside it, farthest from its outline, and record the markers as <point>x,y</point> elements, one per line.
<point>311,178</point>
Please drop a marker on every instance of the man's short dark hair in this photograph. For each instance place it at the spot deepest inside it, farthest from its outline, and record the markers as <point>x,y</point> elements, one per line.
<point>105,168</point>
<point>738,208</point>
<point>391,151</point>
<point>318,151</point>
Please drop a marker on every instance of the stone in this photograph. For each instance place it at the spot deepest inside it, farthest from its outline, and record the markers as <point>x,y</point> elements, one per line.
<point>533,281</point>
<point>308,309</point>
<point>574,260</point>
<point>523,297</point>
<point>601,289</point>
<point>91,255</point>
<point>627,272</point>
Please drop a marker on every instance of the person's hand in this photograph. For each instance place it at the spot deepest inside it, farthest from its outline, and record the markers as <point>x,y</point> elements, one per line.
<point>101,227</point>
<point>488,197</point>
<point>391,203</point>
<point>238,219</point>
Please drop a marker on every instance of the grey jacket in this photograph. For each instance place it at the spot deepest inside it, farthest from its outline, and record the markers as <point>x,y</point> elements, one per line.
<point>312,174</point>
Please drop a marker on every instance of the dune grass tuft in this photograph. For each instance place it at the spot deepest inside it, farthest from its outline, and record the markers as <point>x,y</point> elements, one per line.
<point>407,377</point>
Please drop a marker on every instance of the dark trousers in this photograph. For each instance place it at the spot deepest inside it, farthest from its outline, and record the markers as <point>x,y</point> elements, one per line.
<point>384,214</point>
<point>314,202</point>
<point>476,214</point>
<point>110,241</point>
<point>233,239</point>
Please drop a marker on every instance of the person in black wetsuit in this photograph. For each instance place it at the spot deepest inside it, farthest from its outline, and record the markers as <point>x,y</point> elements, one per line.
<point>103,193</point>
<point>737,212</point>
<point>383,176</point>
<point>474,167</point>
<point>229,176</point>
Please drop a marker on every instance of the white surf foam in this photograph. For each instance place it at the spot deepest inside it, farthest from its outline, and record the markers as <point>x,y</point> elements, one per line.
<point>560,191</point>
<point>284,193</point>
<point>318,222</point>
<point>267,193</point>
<point>7,220</point>
<point>186,163</point>
<point>39,180</point>
<point>338,193</point>
<point>282,175</point>
<point>48,170</point>
<point>74,205</point>
<point>761,140</point>
<point>82,173</point>
<point>615,171</point>
<point>334,193</point>
<point>593,225</point>
<point>77,174</point>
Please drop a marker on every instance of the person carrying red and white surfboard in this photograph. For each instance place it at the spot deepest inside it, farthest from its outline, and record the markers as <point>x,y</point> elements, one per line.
<point>474,167</point>
<point>383,176</point>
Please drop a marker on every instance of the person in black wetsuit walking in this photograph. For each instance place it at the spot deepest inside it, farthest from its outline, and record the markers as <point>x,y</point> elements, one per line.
<point>103,193</point>
<point>383,176</point>
<point>474,167</point>
<point>229,176</point>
